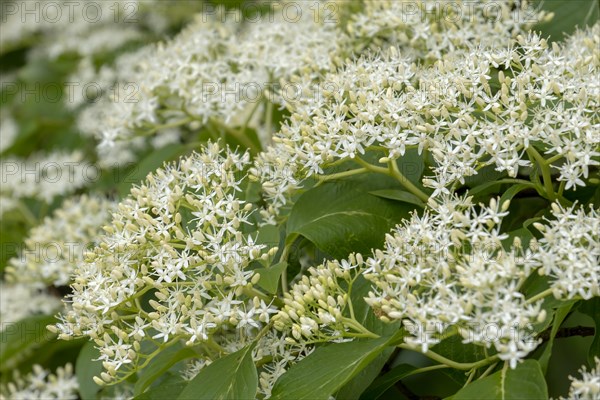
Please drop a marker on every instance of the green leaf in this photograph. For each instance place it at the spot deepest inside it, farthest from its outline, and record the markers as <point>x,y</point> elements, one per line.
<point>513,191</point>
<point>454,349</point>
<point>567,16</point>
<point>327,369</point>
<point>384,382</point>
<point>19,339</point>
<point>269,277</point>
<point>231,377</point>
<point>559,316</point>
<point>592,308</point>
<point>364,315</point>
<point>411,165</point>
<point>524,234</point>
<point>399,195</point>
<point>161,364</point>
<point>169,388</point>
<point>342,217</point>
<point>86,369</point>
<point>526,381</point>
<point>357,385</point>
<point>536,284</point>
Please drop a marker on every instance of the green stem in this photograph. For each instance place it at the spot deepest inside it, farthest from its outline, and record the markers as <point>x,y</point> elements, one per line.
<point>395,173</point>
<point>539,296</point>
<point>488,370</point>
<point>340,175</point>
<point>452,364</point>
<point>174,124</point>
<point>284,256</point>
<point>352,323</point>
<point>546,174</point>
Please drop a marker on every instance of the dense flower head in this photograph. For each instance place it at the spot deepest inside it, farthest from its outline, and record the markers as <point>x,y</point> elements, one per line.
<point>448,268</point>
<point>177,237</point>
<point>480,105</point>
<point>20,300</point>
<point>43,177</point>
<point>429,29</point>
<point>587,387</point>
<point>569,252</point>
<point>41,384</point>
<point>316,306</point>
<point>217,71</point>
<point>58,244</point>
<point>86,29</point>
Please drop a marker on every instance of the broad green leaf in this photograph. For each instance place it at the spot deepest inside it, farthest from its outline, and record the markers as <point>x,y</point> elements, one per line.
<point>363,313</point>
<point>269,277</point>
<point>536,284</point>
<point>86,369</point>
<point>513,191</point>
<point>231,377</point>
<point>386,381</point>
<point>411,165</point>
<point>454,349</point>
<point>150,163</point>
<point>399,195</point>
<point>18,339</point>
<point>559,316</point>
<point>169,388</point>
<point>524,234</point>
<point>568,14</point>
<point>526,381</point>
<point>592,308</point>
<point>159,365</point>
<point>357,385</point>
<point>327,369</point>
<point>342,217</point>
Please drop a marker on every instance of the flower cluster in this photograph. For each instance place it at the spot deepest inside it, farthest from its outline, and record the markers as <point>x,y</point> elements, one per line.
<point>448,269</point>
<point>173,265</point>
<point>86,28</point>
<point>19,301</point>
<point>521,108</point>
<point>43,177</point>
<point>213,74</point>
<point>316,306</point>
<point>569,252</point>
<point>588,386</point>
<point>41,384</point>
<point>56,246</point>
<point>429,29</point>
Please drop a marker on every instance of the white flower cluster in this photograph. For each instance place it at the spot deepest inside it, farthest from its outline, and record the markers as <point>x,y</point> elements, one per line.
<point>315,306</point>
<point>569,252</point>
<point>212,72</point>
<point>86,28</point>
<point>55,247</point>
<point>174,245</point>
<point>43,176</point>
<point>588,386</point>
<point>428,29</point>
<point>40,384</point>
<point>19,301</point>
<point>459,111</point>
<point>447,269</point>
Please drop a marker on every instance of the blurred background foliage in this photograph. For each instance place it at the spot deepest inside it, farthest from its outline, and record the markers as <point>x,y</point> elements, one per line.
<point>44,125</point>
